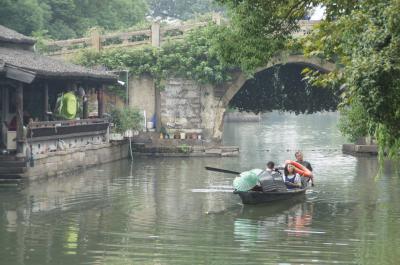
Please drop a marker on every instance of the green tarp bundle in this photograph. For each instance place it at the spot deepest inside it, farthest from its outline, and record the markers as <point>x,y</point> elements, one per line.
<point>247,180</point>
<point>67,106</point>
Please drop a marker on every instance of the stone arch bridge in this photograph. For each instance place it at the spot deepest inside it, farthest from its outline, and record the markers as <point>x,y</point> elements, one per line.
<point>184,105</point>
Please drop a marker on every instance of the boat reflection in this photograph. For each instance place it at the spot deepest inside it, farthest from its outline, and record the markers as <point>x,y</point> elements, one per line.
<point>255,223</point>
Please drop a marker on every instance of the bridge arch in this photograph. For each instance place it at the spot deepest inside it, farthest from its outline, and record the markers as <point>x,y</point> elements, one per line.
<point>239,78</point>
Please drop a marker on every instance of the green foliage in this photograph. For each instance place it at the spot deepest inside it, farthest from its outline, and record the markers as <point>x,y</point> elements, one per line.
<point>366,43</point>
<point>181,9</point>
<point>191,58</point>
<point>64,19</point>
<point>361,37</point>
<point>24,16</point>
<point>184,148</point>
<point>354,122</point>
<point>126,119</point>
<point>259,29</point>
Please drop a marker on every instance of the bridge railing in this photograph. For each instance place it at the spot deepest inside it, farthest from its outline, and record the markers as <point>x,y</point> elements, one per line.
<point>155,36</point>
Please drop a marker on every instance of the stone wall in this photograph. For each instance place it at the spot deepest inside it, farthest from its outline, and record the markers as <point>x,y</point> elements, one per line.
<point>181,104</point>
<point>64,162</point>
<point>212,113</point>
<point>142,95</point>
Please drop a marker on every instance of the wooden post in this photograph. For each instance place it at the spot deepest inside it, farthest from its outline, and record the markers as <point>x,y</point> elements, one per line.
<point>4,105</point>
<point>96,40</point>
<point>19,99</point>
<point>85,105</point>
<point>155,34</point>
<point>100,101</point>
<point>158,109</point>
<point>46,102</point>
<point>4,113</point>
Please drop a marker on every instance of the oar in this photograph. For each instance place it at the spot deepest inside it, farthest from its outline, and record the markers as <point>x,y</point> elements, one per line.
<point>222,170</point>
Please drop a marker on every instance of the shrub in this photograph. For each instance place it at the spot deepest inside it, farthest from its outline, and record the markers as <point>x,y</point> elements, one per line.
<point>126,119</point>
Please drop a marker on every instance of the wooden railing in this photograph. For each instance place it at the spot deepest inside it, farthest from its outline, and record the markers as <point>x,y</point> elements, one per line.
<point>49,130</point>
<point>154,36</point>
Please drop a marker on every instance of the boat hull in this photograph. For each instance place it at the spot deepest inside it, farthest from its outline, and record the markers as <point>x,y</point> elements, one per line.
<point>257,197</point>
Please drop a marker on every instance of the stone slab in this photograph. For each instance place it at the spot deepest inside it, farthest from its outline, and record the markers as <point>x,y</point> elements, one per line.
<point>373,149</point>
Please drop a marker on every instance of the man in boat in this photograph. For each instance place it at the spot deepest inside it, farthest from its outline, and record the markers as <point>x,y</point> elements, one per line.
<point>271,179</point>
<point>299,159</point>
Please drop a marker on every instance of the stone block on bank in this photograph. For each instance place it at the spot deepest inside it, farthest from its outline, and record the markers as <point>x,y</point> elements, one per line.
<point>198,148</point>
<point>228,154</point>
<point>348,148</point>
<point>372,149</point>
<point>213,151</point>
<point>230,148</point>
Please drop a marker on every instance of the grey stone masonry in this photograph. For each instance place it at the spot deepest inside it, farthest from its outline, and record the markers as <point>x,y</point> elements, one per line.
<point>180,104</point>
<point>65,162</point>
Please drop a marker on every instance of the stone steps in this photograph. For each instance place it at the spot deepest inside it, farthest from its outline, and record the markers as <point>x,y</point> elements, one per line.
<point>12,163</point>
<point>9,178</point>
<point>11,167</point>
<point>12,171</point>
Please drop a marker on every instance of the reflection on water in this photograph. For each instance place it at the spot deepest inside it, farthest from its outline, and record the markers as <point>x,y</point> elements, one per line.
<point>259,223</point>
<point>172,211</point>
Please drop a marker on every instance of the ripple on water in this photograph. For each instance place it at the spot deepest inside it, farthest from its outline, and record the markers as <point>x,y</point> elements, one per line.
<point>172,211</point>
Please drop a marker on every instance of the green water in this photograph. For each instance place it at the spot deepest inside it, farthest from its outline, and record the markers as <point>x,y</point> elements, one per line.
<point>172,211</point>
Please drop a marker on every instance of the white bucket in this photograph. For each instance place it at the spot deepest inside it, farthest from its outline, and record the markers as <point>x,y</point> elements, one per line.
<point>183,135</point>
<point>128,134</point>
<point>199,136</point>
<point>150,125</point>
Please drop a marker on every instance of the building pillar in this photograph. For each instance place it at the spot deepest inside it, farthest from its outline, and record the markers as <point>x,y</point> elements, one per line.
<point>216,18</point>
<point>158,109</point>
<point>19,99</point>
<point>5,105</point>
<point>155,34</point>
<point>4,113</point>
<point>85,104</point>
<point>46,102</point>
<point>95,39</point>
<point>100,101</point>
<point>85,108</point>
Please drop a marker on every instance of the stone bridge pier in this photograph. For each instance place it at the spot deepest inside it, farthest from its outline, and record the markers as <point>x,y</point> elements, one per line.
<point>186,106</point>
<point>182,106</point>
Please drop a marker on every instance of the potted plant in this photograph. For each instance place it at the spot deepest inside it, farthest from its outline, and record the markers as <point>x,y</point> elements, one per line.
<point>127,121</point>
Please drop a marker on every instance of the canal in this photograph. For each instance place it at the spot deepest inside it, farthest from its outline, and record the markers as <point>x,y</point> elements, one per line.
<point>172,211</point>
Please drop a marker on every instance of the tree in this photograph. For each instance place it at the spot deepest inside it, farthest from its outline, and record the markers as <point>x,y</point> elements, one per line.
<point>24,16</point>
<point>63,19</point>
<point>72,18</point>
<point>362,37</point>
<point>181,9</point>
<point>366,43</point>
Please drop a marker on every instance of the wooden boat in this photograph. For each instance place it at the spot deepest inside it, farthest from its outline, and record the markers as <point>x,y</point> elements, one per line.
<point>256,197</point>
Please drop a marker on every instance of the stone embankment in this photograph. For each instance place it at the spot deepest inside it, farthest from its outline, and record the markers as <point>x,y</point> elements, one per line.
<point>150,144</point>
<point>75,159</point>
<point>363,146</point>
<point>241,117</point>
<point>360,149</point>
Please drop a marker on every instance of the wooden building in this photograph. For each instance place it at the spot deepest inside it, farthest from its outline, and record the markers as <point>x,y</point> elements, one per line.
<point>29,86</point>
